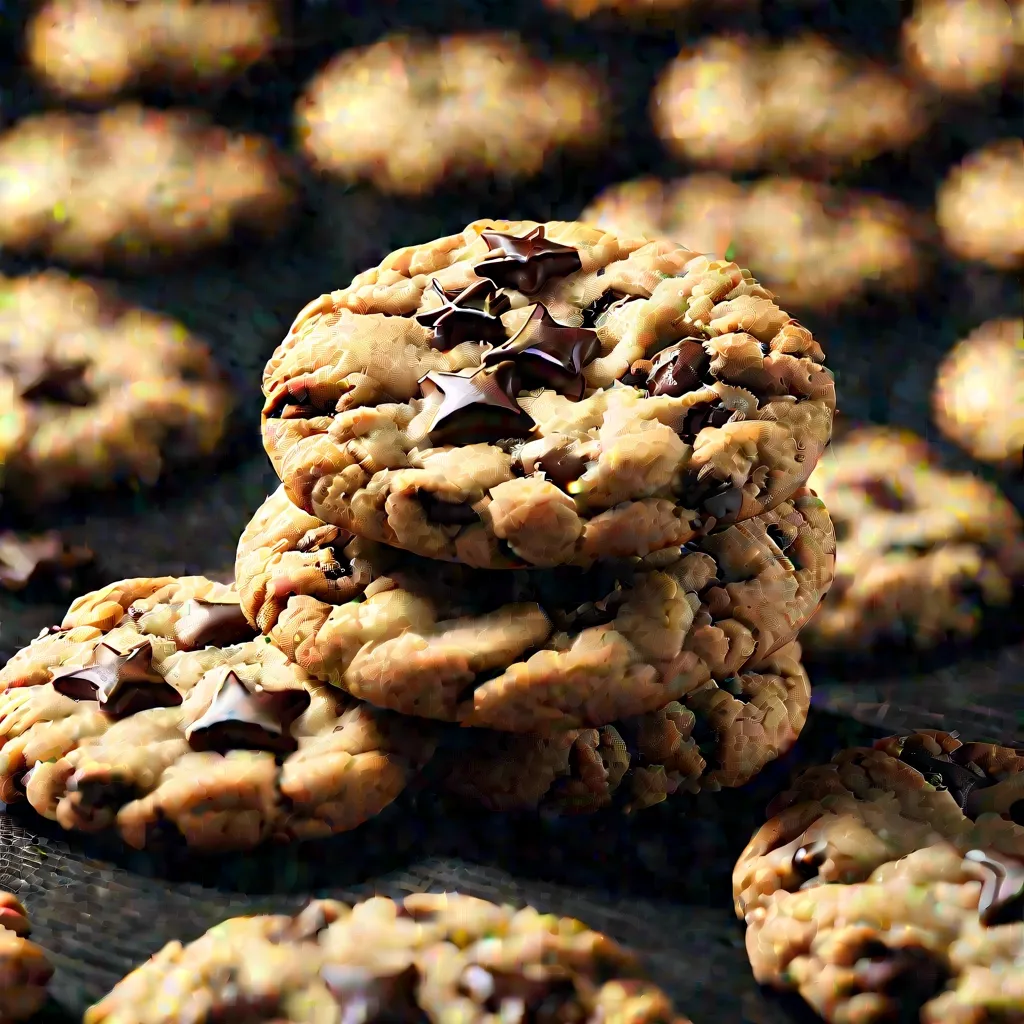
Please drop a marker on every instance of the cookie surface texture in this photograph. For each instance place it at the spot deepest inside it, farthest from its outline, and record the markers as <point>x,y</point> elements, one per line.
<point>430,958</point>
<point>529,394</point>
<point>889,884</point>
<point>25,970</point>
<point>531,650</point>
<point>154,708</point>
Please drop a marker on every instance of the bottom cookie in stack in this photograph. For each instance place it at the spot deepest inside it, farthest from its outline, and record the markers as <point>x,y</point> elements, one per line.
<point>25,970</point>
<point>889,884</point>
<point>156,710</point>
<point>434,959</point>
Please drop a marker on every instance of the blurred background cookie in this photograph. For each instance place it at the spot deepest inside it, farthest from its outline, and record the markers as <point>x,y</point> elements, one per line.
<point>814,246</point>
<point>25,970</point>
<point>979,393</point>
<point>134,188</point>
<point>409,113</point>
<point>739,103</point>
<point>655,11</point>
<point>98,49</point>
<point>980,206</point>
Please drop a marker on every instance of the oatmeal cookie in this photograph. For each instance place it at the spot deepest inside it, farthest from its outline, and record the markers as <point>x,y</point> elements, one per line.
<point>135,188</point>
<point>979,393</point>
<point>95,391</point>
<point>25,970</point>
<point>980,206</point>
<point>409,113</point>
<point>97,49</point>
<point>921,551</point>
<point>889,884</point>
<point>815,246</point>
<point>719,735</point>
<point>431,958</point>
<point>739,103</point>
<point>531,650</point>
<point>527,394</point>
<point>156,710</point>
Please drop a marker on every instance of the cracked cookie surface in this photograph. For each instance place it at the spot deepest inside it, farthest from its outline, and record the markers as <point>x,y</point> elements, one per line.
<point>134,188</point>
<point>430,958</point>
<point>889,884</point>
<point>25,970</point>
<point>527,394</point>
<point>155,710</point>
<point>921,552</point>
<point>535,650</point>
<point>97,392</point>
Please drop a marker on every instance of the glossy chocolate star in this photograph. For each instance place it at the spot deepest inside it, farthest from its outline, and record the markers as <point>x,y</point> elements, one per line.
<point>548,354</point>
<point>678,369</point>
<point>959,779</point>
<point>473,314</point>
<point>528,263</point>
<point>476,407</point>
<point>124,684</point>
<point>27,559</point>
<point>1002,887</point>
<point>212,625</point>
<point>46,379</point>
<point>242,719</point>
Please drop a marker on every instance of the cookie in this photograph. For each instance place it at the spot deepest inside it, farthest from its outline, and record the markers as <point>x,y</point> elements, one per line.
<point>815,246</point>
<point>155,709</point>
<point>430,958</point>
<point>921,552</point>
<point>96,391</point>
<point>133,188</point>
<point>719,735</point>
<point>531,650</point>
<point>409,113</point>
<point>738,103</point>
<point>963,46</point>
<point>980,206</point>
<point>889,884</point>
<point>978,400</point>
<point>25,970</point>
<point>527,394</point>
<point>97,49</point>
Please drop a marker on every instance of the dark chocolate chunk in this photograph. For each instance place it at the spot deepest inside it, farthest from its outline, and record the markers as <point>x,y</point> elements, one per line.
<point>472,314</point>
<point>723,504</point>
<point>476,408</point>
<point>101,796</point>
<point>47,379</point>
<point>908,975</point>
<point>707,414</point>
<point>546,999</point>
<point>26,560</point>
<point>603,304</point>
<point>548,354</point>
<point>808,859</point>
<point>1015,812</point>
<point>883,495</point>
<point>124,684</point>
<point>959,779</point>
<point>528,263</point>
<point>212,625</point>
<point>242,719</point>
<point>370,998</point>
<point>1002,887</point>
<point>446,513</point>
<point>678,369</point>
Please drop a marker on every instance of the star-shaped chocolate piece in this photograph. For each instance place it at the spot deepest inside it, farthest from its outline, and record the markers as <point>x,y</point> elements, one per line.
<point>1002,887</point>
<point>678,369</point>
<point>472,314</point>
<point>212,625</point>
<point>123,684</point>
<point>25,560</point>
<point>549,354</point>
<point>528,263</point>
<point>476,407</point>
<point>46,379</point>
<point>959,779</point>
<point>242,719</point>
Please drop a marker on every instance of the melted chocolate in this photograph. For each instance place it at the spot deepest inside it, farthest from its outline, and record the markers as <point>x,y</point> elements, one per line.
<point>678,369</point>
<point>476,408</point>
<point>212,625</point>
<point>472,314</point>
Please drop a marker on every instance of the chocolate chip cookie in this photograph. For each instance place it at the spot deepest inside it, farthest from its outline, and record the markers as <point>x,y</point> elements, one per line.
<point>527,394</point>
<point>155,709</point>
<point>533,650</point>
<point>95,391</point>
<point>889,884</point>
<point>97,49</point>
<point>739,103</point>
<point>132,188</point>
<point>815,246</point>
<point>716,736</point>
<point>979,393</point>
<point>921,552</point>
<point>430,958</point>
<point>409,113</point>
<point>25,970</point>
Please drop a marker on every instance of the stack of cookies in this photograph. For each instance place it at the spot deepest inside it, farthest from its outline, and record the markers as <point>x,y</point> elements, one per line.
<point>542,490</point>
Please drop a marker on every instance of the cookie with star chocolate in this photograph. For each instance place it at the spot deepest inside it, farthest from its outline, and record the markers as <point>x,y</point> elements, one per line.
<point>97,392</point>
<point>25,970</point>
<point>534,395</point>
<point>543,649</point>
<point>155,709</point>
<point>888,885</point>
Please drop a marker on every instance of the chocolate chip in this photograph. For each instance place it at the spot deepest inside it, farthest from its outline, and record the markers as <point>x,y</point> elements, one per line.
<point>958,779</point>
<point>1002,887</point>
<point>808,859</point>
<point>908,975</point>
<point>608,300</point>
<point>369,998</point>
<point>724,504</point>
<point>54,382</point>
<point>678,369</point>
<point>477,407</point>
<point>446,513</point>
<point>527,263</point>
<point>1015,812</point>
<point>212,625</point>
<point>707,414</point>
<point>99,795</point>
<point>884,495</point>
<point>516,997</point>
<point>471,314</point>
